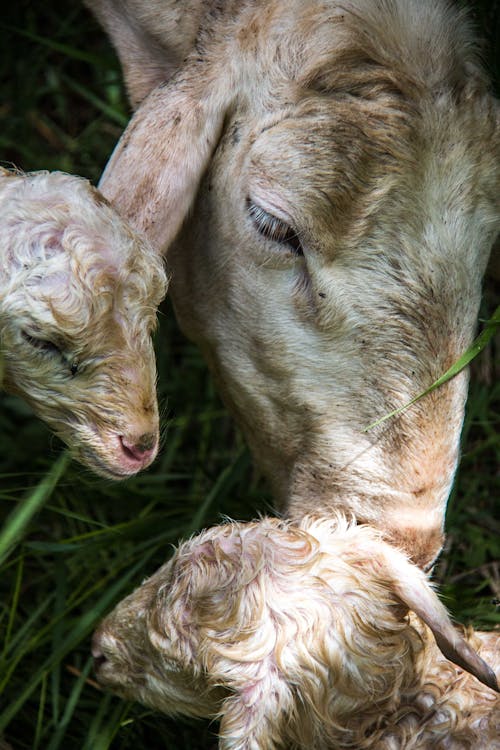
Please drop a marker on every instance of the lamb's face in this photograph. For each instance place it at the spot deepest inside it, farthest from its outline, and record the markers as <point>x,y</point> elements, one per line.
<point>77,311</point>
<point>146,650</point>
<point>331,270</point>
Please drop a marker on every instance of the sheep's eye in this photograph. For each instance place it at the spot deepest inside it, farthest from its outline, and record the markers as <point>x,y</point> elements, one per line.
<point>41,344</point>
<point>274,229</point>
<point>48,347</point>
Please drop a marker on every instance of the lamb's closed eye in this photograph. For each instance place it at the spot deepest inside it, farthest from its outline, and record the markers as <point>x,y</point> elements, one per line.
<point>42,345</point>
<point>49,348</point>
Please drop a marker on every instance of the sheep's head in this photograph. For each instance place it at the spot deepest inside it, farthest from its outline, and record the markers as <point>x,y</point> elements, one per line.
<point>78,298</point>
<point>340,163</point>
<point>351,205</point>
<point>279,630</point>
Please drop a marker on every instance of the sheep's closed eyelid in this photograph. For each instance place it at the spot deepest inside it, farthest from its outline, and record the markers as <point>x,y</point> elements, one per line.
<point>43,345</point>
<point>273,228</point>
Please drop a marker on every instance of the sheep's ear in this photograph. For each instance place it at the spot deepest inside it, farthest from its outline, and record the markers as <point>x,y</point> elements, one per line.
<point>145,62</point>
<point>414,590</point>
<point>154,173</point>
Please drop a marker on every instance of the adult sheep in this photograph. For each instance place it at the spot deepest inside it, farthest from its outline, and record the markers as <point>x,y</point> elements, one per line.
<point>78,297</point>
<point>338,163</point>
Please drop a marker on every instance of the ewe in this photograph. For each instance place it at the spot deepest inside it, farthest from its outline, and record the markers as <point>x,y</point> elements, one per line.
<point>78,297</point>
<point>338,165</point>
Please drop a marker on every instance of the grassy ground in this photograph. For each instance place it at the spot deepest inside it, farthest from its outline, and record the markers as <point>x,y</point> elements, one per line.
<point>62,107</point>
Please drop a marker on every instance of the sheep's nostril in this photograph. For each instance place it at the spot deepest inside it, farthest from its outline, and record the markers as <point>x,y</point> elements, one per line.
<point>141,448</point>
<point>99,660</point>
<point>97,652</point>
<point>146,442</point>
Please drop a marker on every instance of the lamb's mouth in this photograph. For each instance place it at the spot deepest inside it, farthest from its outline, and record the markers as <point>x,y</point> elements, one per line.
<point>101,467</point>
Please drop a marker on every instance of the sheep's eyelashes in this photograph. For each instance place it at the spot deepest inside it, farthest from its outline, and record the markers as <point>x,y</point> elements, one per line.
<point>43,345</point>
<point>273,228</point>
<point>48,347</point>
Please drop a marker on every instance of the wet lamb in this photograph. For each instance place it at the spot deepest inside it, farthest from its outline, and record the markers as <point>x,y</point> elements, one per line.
<point>79,292</point>
<point>226,630</point>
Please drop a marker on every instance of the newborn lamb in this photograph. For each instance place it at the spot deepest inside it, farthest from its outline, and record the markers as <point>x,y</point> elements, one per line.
<point>78,297</point>
<point>224,630</point>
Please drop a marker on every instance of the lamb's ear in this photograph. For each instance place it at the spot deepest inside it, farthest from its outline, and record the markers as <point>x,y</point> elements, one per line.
<point>413,589</point>
<point>153,174</point>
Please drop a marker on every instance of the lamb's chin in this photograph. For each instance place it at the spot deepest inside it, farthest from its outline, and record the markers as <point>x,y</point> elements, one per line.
<point>107,453</point>
<point>112,460</point>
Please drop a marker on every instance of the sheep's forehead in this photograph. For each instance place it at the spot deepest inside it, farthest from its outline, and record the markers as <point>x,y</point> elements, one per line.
<point>314,164</point>
<point>326,162</point>
<point>66,311</point>
<point>238,554</point>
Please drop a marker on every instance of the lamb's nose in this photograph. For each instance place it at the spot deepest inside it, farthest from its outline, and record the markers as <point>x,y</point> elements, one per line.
<point>99,660</point>
<point>139,449</point>
<point>97,653</point>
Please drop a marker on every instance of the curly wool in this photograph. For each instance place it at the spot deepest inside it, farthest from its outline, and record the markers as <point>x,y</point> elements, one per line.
<point>299,637</point>
<point>79,292</point>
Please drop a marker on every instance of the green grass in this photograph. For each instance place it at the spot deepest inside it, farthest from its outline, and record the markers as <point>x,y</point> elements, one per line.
<point>71,545</point>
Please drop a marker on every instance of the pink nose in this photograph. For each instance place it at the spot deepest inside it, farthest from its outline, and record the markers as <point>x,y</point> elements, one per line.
<point>141,449</point>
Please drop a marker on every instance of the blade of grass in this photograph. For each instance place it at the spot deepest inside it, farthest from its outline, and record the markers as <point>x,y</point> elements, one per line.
<point>61,591</point>
<point>40,715</point>
<point>77,599</point>
<point>71,705</point>
<point>477,346</point>
<point>113,114</point>
<point>105,726</point>
<point>13,607</point>
<point>81,629</point>
<point>66,49</point>
<point>223,480</point>
<point>19,639</point>
<point>19,519</point>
